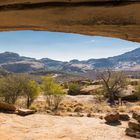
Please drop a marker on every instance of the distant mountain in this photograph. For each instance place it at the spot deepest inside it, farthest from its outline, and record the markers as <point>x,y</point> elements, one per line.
<point>52,64</point>
<point>127,61</point>
<point>13,62</point>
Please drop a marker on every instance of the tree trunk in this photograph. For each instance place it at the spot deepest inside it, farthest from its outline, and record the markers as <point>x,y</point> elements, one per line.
<point>28,102</point>
<point>111,99</point>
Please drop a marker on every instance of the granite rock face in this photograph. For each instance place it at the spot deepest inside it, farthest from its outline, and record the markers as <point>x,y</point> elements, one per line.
<point>113,18</point>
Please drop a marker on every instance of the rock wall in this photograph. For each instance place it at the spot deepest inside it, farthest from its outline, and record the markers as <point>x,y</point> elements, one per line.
<point>113,18</point>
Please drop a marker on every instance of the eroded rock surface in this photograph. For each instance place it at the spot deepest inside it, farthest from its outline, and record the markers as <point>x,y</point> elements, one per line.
<point>45,127</point>
<point>114,18</point>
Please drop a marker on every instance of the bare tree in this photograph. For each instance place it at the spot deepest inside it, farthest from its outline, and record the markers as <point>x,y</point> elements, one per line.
<point>113,83</point>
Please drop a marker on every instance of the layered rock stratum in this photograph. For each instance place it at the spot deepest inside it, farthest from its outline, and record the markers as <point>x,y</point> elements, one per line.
<point>113,18</point>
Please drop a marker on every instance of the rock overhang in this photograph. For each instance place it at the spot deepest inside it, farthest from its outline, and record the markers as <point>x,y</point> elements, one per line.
<point>112,18</point>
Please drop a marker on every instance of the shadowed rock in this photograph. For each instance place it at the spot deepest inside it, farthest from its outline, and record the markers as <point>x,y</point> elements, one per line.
<point>5,107</point>
<point>134,125</point>
<point>112,118</point>
<point>136,116</point>
<point>133,129</point>
<point>132,133</point>
<point>124,117</point>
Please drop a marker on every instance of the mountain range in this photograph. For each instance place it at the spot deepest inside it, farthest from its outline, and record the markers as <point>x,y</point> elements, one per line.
<point>13,62</point>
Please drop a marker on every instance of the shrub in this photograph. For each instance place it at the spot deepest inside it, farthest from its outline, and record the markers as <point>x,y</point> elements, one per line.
<point>74,89</point>
<point>31,91</point>
<point>53,91</point>
<point>11,87</point>
<point>33,107</point>
<point>122,108</point>
<point>15,85</point>
<point>99,95</point>
<point>137,93</point>
<point>106,108</point>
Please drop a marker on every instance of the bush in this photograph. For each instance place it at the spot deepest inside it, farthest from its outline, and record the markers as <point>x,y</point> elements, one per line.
<point>11,87</point>
<point>17,85</point>
<point>99,95</point>
<point>31,91</point>
<point>137,93</point>
<point>53,91</point>
<point>74,89</point>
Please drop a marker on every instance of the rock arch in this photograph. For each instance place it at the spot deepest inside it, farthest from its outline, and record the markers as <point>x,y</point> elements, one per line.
<point>113,18</point>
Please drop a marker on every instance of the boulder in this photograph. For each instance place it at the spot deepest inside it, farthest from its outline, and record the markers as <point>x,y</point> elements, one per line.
<point>112,117</point>
<point>5,107</point>
<point>133,124</point>
<point>132,133</point>
<point>136,116</point>
<point>124,117</point>
<point>25,112</point>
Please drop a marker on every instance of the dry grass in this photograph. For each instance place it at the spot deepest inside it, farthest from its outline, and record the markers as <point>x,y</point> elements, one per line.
<point>134,108</point>
<point>122,108</point>
<point>83,104</point>
<point>107,108</point>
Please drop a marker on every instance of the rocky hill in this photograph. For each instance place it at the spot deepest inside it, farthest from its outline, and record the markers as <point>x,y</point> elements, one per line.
<point>13,62</point>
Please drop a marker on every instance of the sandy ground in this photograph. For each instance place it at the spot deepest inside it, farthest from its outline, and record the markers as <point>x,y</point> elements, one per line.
<point>46,127</point>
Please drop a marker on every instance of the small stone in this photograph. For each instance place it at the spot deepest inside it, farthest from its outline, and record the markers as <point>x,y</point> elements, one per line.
<point>49,111</point>
<point>124,117</point>
<point>101,117</point>
<point>25,112</point>
<point>89,115</point>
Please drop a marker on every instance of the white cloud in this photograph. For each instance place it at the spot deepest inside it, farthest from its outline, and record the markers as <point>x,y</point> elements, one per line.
<point>92,40</point>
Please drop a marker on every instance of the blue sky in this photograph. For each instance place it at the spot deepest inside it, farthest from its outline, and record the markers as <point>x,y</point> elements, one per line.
<point>62,46</point>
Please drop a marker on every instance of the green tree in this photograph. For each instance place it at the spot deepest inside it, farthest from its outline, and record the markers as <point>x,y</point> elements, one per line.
<point>31,91</point>
<point>53,91</point>
<point>11,87</point>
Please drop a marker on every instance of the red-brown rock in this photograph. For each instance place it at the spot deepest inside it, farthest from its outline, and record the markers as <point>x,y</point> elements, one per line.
<point>5,107</point>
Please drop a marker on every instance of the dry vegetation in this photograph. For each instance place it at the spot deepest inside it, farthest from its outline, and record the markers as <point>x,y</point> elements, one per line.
<point>113,92</point>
